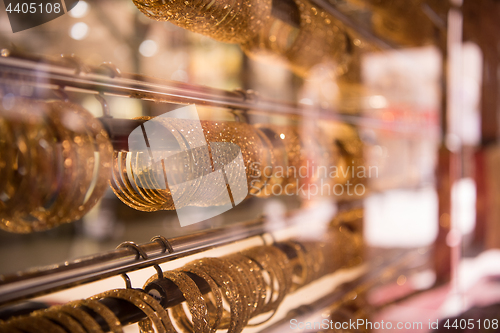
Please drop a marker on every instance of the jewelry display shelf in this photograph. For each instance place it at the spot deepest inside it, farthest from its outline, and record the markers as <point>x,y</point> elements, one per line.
<point>390,264</point>
<point>378,273</point>
<point>129,257</point>
<point>124,259</point>
<point>69,74</point>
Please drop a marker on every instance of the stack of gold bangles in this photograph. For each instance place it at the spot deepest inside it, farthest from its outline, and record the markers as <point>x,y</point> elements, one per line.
<point>227,21</point>
<point>318,38</point>
<point>55,164</point>
<point>278,160</point>
<point>245,289</point>
<point>56,160</point>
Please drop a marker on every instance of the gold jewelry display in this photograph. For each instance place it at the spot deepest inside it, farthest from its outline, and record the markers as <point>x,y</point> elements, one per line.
<point>57,145</point>
<point>34,325</point>
<point>278,160</point>
<point>286,148</point>
<point>197,303</point>
<point>194,299</point>
<point>300,265</point>
<point>99,308</point>
<point>252,274</point>
<point>319,38</point>
<point>88,323</point>
<point>134,182</point>
<point>61,318</point>
<point>227,21</point>
<point>402,21</point>
<point>257,156</point>
<point>276,264</point>
<point>242,286</point>
<point>139,299</point>
<point>252,282</point>
<point>234,320</point>
<point>224,272</point>
<point>215,308</point>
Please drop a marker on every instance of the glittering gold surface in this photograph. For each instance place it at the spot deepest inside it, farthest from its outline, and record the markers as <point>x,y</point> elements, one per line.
<point>231,21</point>
<point>320,37</point>
<point>52,154</point>
<point>251,283</point>
<point>243,286</point>
<point>143,192</point>
<point>278,160</point>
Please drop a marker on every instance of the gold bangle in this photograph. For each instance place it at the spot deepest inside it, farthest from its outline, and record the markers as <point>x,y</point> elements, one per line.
<point>36,325</point>
<point>316,258</point>
<point>113,323</point>
<point>178,312</point>
<point>300,265</point>
<point>215,311</point>
<point>74,163</point>
<point>6,327</point>
<point>132,296</point>
<point>121,186</point>
<point>78,145</point>
<point>236,320</point>
<point>194,299</point>
<point>83,317</point>
<point>287,146</point>
<point>22,147</point>
<point>277,265</point>
<point>46,146</point>
<point>60,318</point>
<point>252,274</point>
<point>161,312</point>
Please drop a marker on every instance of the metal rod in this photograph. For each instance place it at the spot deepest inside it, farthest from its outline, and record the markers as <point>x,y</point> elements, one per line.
<point>60,75</point>
<point>52,278</point>
<point>128,314</point>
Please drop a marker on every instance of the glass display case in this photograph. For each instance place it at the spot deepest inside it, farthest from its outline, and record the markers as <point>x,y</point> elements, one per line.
<point>255,166</point>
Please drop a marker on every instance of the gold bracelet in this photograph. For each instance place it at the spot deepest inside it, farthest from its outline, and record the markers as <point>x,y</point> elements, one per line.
<point>300,265</point>
<point>133,297</point>
<point>194,299</point>
<point>6,327</point>
<point>121,186</point>
<point>89,323</point>
<point>74,163</point>
<point>236,320</point>
<point>215,311</point>
<point>113,323</point>
<point>78,144</point>
<point>314,252</point>
<point>278,267</point>
<point>160,311</point>
<point>45,145</point>
<point>36,325</point>
<point>252,274</point>
<point>19,149</point>
<point>60,318</point>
